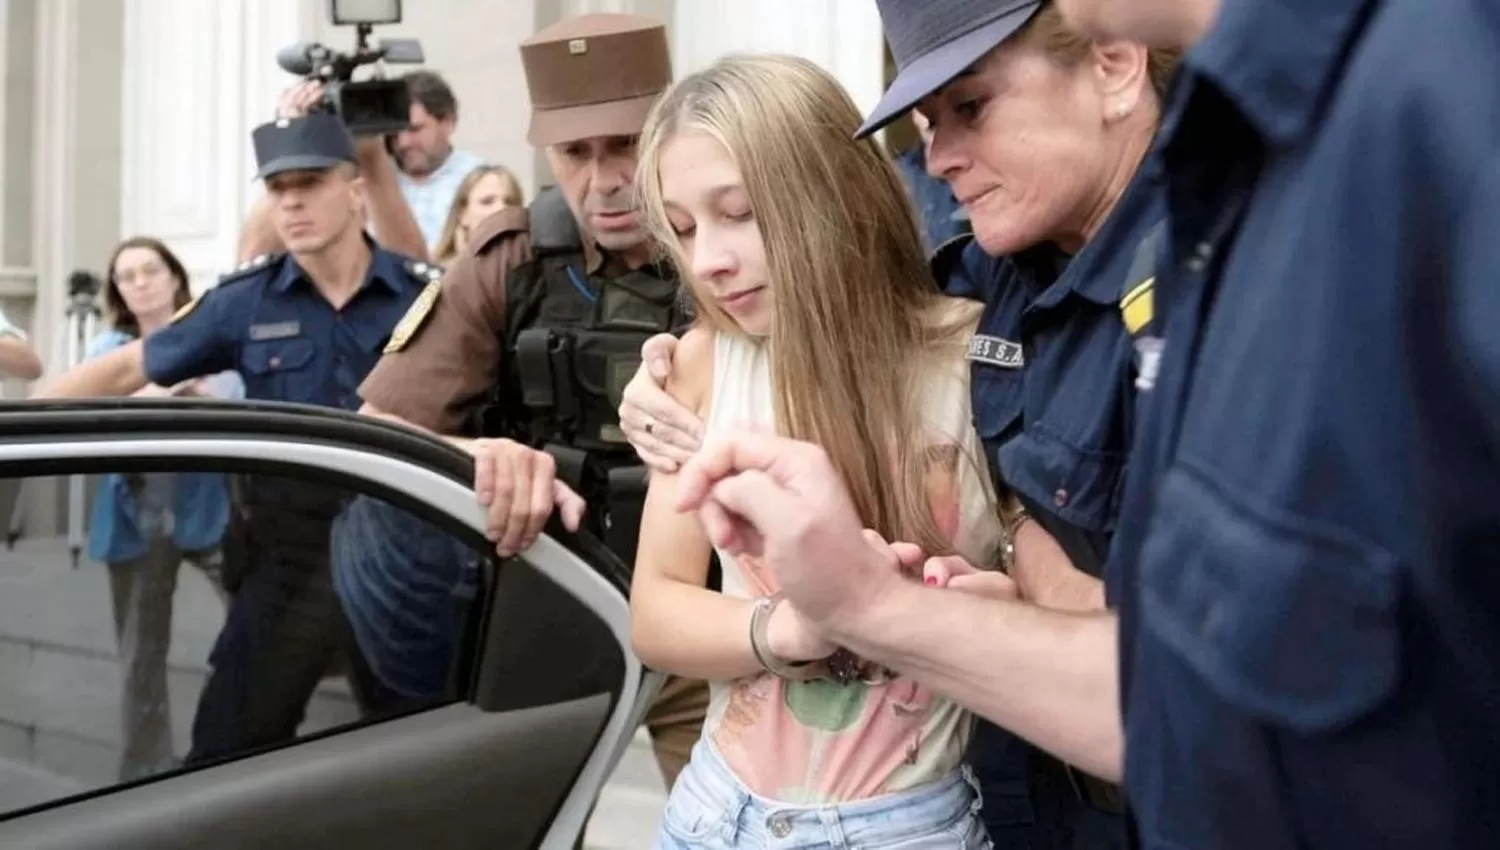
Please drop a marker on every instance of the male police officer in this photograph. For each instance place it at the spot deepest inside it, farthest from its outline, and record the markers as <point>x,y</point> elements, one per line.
<point>299,327</point>
<point>532,335</point>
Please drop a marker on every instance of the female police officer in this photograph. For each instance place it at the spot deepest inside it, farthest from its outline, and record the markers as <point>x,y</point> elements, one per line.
<point>1040,132</point>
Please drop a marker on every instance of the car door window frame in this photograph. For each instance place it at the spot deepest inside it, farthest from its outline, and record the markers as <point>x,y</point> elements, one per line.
<point>81,439</point>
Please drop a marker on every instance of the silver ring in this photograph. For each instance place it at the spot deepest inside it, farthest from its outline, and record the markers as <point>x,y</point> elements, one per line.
<point>650,427</point>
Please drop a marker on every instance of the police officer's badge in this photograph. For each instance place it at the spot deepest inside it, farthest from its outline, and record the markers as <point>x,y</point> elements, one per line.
<point>1148,351</point>
<point>416,316</point>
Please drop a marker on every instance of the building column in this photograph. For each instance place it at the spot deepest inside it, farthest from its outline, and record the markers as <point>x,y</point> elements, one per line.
<point>843,37</point>
<point>187,161</point>
<point>54,164</point>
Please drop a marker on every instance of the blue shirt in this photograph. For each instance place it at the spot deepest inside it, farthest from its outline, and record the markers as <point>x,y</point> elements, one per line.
<point>432,199</point>
<point>192,508</point>
<point>1052,370</point>
<point>269,323</point>
<point>1310,606</point>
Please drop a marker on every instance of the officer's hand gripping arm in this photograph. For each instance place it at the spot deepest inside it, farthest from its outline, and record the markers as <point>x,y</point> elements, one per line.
<point>663,432</point>
<point>517,485</point>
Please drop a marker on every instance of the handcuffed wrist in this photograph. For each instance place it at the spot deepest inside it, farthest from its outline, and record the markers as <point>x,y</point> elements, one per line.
<point>760,643</point>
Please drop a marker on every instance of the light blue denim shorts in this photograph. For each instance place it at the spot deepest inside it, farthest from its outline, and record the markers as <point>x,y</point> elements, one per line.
<point>710,809</point>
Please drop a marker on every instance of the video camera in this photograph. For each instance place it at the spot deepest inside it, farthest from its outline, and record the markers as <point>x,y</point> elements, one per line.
<point>373,107</point>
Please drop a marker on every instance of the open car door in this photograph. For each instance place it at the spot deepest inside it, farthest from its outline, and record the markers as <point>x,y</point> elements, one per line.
<point>542,697</point>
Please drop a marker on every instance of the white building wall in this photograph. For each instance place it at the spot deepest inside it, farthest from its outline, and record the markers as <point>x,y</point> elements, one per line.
<point>195,77</point>
<point>126,117</point>
<point>843,36</point>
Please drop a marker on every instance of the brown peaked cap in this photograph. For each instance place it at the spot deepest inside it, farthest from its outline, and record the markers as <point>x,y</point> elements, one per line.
<point>594,75</point>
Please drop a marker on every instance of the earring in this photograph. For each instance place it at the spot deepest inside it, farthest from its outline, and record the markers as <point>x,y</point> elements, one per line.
<point>1121,110</point>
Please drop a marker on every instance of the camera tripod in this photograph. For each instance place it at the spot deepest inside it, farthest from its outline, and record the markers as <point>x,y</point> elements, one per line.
<point>83,323</point>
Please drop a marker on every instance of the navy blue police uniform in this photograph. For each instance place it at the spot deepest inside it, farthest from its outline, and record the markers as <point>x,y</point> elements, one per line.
<point>1052,379</point>
<point>1306,584</point>
<point>268,322</point>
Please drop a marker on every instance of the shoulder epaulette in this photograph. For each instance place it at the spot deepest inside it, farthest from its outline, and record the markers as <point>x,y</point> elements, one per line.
<point>423,270</point>
<point>506,221</point>
<point>253,266</point>
<point>1138,298</point>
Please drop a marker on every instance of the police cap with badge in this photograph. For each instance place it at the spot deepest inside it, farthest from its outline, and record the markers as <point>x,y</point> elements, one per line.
<point>315,142</point>
<point>594,75</point>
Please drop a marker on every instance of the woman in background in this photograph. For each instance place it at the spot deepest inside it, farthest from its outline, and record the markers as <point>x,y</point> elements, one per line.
<point>487,189</point>
<point>145,525</point>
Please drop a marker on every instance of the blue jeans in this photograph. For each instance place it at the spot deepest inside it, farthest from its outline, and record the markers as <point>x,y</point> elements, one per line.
<point>710,809</point>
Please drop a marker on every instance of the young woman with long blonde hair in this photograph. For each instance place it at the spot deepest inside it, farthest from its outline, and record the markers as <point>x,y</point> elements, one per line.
<point>819,318</point>
<point>487,190</point>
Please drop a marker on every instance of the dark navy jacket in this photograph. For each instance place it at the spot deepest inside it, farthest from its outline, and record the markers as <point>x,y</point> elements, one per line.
<point>1053,384</point>
<point>269,323</point>
<point>1310,599</point>
<point>288,343</point>
<point>1053,370</point>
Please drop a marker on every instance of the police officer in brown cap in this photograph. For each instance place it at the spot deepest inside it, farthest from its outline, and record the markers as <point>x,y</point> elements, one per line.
<point>521,352</point>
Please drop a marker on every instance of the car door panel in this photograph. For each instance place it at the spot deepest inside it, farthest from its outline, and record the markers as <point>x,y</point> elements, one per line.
<point>385,786</point>
<point>519,765</point>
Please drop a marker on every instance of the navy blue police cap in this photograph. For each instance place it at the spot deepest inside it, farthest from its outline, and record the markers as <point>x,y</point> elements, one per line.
<point>312,142</point>
<point>934,41</point>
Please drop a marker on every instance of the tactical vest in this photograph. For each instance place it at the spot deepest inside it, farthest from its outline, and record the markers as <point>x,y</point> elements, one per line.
<point>572,342</point>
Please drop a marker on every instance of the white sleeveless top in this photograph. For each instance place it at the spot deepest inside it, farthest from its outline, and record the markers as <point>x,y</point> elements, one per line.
<point>812,743</point>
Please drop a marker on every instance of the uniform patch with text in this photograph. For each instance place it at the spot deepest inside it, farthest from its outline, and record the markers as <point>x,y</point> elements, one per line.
<point>275,330</point>
<point>994,351</point>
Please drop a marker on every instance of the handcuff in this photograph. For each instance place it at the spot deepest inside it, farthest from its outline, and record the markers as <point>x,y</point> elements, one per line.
<point>842,667</point>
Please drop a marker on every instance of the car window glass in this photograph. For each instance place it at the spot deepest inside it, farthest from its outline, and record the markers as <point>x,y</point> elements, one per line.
<point>212,614</point>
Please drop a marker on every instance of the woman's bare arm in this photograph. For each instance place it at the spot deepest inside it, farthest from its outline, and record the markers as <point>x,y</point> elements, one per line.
<point>677,625</point>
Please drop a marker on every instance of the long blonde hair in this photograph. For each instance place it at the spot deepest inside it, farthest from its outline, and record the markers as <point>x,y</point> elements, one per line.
<point>856,313</point>
<point>446,249</point>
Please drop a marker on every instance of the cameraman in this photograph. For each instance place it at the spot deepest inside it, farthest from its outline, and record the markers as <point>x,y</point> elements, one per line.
<point>386,210</point>
<point>430,169</point>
